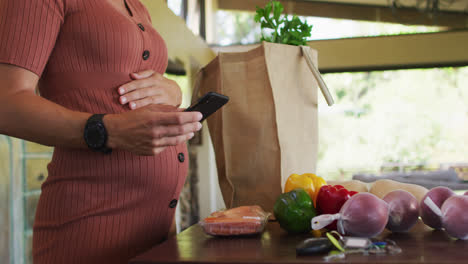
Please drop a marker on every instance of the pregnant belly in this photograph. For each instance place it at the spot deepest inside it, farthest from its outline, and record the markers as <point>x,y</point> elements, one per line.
<point>83,183</point>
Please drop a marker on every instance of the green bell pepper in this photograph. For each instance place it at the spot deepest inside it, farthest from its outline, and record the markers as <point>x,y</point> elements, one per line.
<point>294,210</point>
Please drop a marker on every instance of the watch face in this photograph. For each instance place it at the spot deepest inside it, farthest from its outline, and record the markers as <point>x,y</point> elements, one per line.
<point>95,135</point>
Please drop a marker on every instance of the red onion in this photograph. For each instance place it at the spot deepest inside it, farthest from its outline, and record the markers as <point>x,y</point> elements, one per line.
<point>454,215</point>
<point>404,210</point>
<point>438,195</point>
<point>362,215</point>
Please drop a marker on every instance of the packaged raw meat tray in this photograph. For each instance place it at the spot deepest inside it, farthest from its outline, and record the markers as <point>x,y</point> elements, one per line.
<point>243,220</point>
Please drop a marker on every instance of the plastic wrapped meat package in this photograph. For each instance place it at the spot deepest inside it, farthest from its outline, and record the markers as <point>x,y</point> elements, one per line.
<point>243,220</point>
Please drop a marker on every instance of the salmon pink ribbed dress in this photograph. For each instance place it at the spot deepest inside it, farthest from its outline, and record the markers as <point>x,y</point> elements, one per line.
<point>94,208</point>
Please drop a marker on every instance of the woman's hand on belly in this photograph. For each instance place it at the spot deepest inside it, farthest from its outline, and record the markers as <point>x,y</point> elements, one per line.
<point>150,129</point>
<point>149,87</point>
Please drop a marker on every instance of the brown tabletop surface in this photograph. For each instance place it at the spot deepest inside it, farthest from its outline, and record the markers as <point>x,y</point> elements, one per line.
<point>421,245</point>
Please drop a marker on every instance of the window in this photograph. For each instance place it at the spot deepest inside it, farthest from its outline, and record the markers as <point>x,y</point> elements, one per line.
<point>236,27</point>
<point>385,119</point>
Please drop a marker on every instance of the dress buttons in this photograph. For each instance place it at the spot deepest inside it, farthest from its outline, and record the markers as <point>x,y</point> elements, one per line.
<point>173,203</point>
<point>146,54</point>
<point>141,27</point>
<point>181,157</point>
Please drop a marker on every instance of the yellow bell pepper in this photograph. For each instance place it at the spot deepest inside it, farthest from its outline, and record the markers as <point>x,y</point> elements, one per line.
<point>310,182</point>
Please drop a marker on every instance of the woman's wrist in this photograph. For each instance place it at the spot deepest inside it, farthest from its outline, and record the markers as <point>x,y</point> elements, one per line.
<point>176,94</point>
<point>111,124</point>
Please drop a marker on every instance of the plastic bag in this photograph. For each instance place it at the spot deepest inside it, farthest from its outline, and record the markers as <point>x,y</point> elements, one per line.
<point>362,215</point>
<point>243,220</point>
<point>454,215</point>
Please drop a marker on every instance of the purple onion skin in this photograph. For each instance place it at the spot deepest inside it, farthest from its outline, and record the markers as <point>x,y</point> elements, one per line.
<point>364,215</point>
<point>403,210</point>
<point>466,193</point>
<point>438,196</point>
<point>455,216</point>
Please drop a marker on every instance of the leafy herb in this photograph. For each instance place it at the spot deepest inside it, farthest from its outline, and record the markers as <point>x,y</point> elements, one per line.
<point>285,31</point>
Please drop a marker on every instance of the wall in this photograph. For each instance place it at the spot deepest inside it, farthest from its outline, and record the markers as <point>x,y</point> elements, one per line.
<point>4,199</point>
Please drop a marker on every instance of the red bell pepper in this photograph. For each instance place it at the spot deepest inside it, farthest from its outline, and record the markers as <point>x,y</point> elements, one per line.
<point>330,199</point>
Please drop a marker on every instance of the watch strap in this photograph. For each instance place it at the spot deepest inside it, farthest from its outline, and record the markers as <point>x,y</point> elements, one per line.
<point>98,118</point>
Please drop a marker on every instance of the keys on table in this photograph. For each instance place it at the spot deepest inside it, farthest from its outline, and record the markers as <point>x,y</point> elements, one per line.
<point>346,246</point>
<point>373,250</point>
<point>355,242</point>
<point>335,254</point>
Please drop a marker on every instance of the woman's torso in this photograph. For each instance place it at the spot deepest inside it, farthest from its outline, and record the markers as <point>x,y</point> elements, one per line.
<point>120,202</point>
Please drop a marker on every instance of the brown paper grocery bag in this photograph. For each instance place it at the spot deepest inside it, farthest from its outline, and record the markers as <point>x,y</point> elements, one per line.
<point>268,130</point>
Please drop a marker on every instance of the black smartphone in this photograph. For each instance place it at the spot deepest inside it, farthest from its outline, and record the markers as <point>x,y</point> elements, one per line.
<point>208,104</point>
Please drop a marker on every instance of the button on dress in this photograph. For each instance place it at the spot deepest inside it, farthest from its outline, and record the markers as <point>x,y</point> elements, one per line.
<point>94,208</point>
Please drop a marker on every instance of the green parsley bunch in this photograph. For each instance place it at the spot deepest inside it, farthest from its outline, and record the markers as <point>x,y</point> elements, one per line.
<point>285,31</point>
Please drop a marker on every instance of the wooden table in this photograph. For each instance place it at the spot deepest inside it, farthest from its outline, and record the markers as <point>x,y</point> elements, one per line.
<point>421,245</point>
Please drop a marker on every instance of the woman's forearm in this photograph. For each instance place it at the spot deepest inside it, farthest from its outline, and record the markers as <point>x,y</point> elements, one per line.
<point>28,116</point>
<point>25,115</point>
<point>145,131</point>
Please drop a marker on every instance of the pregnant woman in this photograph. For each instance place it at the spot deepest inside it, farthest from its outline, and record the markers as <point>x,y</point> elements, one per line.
<point>119,161</point>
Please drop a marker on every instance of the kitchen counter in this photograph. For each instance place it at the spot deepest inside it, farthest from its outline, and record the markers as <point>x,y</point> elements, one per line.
<point>421,245</point>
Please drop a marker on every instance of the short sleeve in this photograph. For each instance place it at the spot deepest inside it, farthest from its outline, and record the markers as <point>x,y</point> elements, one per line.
<point>28,32</point>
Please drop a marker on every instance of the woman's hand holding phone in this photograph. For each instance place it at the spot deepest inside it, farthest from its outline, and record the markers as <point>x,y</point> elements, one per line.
<point>209,104</point>
<point>150,129</point>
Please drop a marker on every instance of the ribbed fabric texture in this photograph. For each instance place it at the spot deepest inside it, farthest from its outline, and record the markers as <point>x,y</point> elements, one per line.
<point>94,208</point>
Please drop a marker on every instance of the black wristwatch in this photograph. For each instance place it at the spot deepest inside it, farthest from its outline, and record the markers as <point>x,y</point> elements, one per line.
<point>95,134</point>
